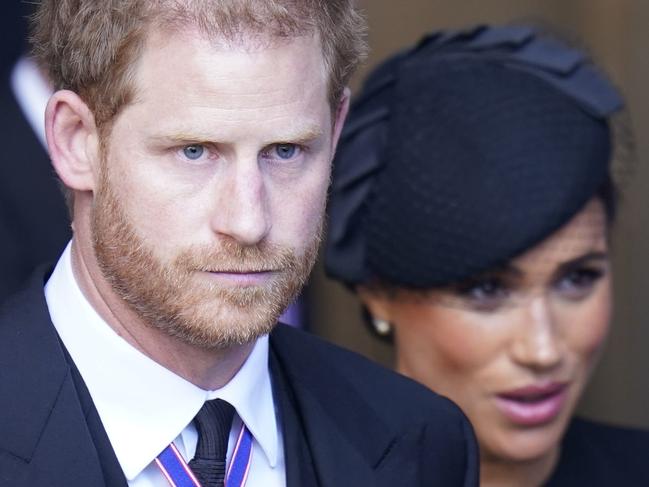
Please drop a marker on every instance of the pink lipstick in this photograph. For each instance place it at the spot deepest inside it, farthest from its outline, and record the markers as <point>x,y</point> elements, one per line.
<point>533,405</point>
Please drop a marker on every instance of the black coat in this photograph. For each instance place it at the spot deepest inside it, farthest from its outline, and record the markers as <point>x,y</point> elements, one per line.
<point>34,225</point>
<point>598,455</point>
<point>345,420</point>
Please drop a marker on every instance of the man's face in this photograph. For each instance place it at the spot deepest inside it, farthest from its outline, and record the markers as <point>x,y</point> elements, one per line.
<point>208,211</point>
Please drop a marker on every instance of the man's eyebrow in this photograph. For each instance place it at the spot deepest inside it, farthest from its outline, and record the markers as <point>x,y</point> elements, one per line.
<point>297,136</point>
<point>305,135</point>
<point>179,137</point>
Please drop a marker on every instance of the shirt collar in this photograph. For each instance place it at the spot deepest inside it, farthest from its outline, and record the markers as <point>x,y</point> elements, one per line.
<point>142,413</point>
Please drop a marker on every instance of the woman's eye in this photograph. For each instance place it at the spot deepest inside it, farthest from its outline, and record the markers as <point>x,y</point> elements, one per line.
<point>193,152</point>
<point>578,283</point>
<point>484,294</point>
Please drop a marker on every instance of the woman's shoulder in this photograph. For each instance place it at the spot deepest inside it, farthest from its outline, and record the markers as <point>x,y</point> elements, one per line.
<point>595,453</point>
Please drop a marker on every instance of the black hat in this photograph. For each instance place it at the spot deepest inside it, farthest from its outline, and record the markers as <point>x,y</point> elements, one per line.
<point>464,152</point>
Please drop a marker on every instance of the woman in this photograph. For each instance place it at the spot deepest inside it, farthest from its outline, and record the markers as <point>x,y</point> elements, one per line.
<point>470,210</point>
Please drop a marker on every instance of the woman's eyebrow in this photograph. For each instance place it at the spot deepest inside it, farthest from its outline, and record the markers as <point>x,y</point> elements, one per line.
<point>595,256</point>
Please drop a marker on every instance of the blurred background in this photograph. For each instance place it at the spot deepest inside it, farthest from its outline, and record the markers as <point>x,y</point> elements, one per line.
<point>616,34</point>
<point>34,224</point>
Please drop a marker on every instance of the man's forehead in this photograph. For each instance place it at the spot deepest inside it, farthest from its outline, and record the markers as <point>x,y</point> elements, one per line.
<point>196,46</point>
<point>276,61</point>
<point>277,84</point>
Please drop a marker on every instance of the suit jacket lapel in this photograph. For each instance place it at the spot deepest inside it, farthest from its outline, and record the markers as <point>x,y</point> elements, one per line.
<point>44,439</point>
<point>112,471</point>
<point>336,456</point>
<point>346,439</point>
<point>299,465</point>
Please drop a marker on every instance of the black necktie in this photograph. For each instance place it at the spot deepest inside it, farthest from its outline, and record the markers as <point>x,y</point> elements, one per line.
<point>213,423</point>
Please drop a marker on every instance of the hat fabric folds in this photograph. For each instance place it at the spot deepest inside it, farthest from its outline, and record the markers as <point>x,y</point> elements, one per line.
<point>464,152</point>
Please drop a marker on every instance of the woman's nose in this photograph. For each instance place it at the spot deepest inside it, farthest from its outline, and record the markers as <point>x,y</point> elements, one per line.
<point>537,344</point>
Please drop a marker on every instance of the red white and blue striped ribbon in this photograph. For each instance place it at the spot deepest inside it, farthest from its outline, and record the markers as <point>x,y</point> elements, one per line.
<point>178,473</point>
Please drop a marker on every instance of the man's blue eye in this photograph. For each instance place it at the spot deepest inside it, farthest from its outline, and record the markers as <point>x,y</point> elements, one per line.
<point>193,152</point>
<point>285,151</point>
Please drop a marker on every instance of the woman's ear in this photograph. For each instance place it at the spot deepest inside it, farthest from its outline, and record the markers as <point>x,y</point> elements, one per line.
<point>376,303</point>
<point>72,139</point>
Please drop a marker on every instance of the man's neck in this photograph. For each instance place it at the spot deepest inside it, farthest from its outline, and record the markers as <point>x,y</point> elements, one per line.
<point>208,369</point>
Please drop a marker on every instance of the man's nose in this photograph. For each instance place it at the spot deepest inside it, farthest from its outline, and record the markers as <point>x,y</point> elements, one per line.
<point>537,344</point>
<point>242,209</point>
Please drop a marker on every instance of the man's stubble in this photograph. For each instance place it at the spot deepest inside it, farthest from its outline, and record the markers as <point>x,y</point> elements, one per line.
<point>178,297</point>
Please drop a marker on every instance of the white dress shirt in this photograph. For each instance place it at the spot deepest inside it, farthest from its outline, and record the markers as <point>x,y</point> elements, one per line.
<point>144,406</point>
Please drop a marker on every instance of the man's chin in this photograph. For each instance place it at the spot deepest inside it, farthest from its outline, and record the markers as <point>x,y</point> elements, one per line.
<point>222,330</point>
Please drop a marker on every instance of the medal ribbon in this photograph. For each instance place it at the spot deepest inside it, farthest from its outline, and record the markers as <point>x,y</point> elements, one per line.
<point>178,473</point>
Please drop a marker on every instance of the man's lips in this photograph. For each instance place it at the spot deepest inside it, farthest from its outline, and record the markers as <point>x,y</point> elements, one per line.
<point>237,277</point>
<point>534,404</point>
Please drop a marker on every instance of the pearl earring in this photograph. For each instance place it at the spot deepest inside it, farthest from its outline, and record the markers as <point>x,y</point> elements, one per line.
<point>382,327</point>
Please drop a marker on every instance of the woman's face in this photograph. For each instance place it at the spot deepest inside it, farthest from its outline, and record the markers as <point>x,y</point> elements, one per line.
<point>513,348</point>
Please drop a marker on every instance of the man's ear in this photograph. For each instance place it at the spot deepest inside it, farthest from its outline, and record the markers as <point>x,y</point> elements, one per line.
<point>341,114</point>
<point>72,139</point>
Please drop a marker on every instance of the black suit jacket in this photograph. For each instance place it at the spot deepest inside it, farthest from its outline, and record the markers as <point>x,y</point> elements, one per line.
<point>346,421</point>
<point>34,225</point>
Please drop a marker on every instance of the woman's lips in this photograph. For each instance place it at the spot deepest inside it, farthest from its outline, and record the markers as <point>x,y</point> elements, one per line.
<point>533,405</point>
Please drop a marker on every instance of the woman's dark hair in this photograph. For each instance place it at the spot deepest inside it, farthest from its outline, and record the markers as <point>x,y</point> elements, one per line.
<point>608,194</point>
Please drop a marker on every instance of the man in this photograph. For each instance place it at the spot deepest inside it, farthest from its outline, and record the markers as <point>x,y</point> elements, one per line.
<point>195,138</point>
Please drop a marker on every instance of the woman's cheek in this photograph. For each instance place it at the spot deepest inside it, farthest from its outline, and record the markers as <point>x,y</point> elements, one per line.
<point>443,341</point>
<point>587,329</point>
